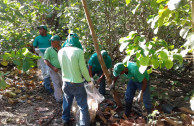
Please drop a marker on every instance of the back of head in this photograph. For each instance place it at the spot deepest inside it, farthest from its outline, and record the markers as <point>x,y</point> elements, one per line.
<point>73,40</point>
<point>55,38</point>
<point>104,54</point>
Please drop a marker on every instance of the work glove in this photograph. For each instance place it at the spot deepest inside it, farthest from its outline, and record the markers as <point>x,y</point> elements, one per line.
<point>140,96</point>
<point>112,86</point>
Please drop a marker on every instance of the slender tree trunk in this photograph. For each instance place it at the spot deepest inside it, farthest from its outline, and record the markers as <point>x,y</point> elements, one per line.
<point>109,80</point>
<point>192,11</point>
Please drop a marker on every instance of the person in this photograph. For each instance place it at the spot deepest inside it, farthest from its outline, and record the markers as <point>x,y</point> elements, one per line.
<point>42,42</point>
<point>94,67</point>
<point>73,67</point>
<point>51,60</point>
<point>75,39</point>
<point>136,81</point>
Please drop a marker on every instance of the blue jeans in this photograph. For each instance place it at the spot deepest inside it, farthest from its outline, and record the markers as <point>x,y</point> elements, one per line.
<point>102,83</point>
<point>131,89</point>
<point>78,91</point>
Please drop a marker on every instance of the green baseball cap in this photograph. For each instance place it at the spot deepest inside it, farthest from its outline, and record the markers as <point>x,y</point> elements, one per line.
<point>42,26</point>
<point>55,38</point>
<point>118,68</point>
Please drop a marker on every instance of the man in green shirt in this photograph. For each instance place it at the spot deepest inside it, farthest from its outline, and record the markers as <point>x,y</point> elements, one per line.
<point>73,67</point>
<point>136,81</point>
<point>42,42</point>
<point>95,68</point>
<point>51,59</point>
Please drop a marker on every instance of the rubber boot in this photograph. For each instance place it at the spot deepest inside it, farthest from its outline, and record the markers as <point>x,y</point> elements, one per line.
<point>128,106</point>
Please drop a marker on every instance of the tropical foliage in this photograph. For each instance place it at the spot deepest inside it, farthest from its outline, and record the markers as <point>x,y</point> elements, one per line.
<point>158,32</point>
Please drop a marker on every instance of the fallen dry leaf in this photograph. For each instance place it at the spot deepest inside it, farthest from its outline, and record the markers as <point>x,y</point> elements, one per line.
<point>41,109</point>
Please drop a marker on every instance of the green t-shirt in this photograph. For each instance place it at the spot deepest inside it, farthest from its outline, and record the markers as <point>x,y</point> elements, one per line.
<point>134,74</point>
<point>52,56</point>
<point>73,65</point>
<point>42,42</point>
<point>94,62</point>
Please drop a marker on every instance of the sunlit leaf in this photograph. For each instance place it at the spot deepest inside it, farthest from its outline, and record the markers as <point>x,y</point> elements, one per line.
<point>126,59</point>
<point>168,64</point>
<point>190,41</point>
<point>163,55</point>
<point>155,63</point>
<point>159,1</point>
<point>184,31</point>
<point>149,71</point>
<point>123,46</point>
<point>128,1</point>
<point>142,69</point>
<point>134,10</point>
<point>173,4</point>
<point>144,60</point>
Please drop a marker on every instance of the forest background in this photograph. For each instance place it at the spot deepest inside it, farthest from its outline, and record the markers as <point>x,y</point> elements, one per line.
<point>157,34</point>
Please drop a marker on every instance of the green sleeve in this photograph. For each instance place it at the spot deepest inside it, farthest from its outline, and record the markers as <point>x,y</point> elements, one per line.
<point>83,67</point>
<point>35,43</point>
<point>46,54</point>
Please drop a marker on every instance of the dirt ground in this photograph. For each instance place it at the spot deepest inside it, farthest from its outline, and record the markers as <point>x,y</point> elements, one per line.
<point>29,104</point>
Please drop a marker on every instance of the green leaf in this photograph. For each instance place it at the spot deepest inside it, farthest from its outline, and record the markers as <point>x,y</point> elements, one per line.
<point>178,57</point>
<point>128,1</point>
<point>27,64</point>
<point>123,46</point>
<point>168,64</point>
<point>171,47</point>
<point>155,63</point>
<point>149,71</point>
<point>159,1</point>
<point>2,83</point>
<point>184,31</point>
<point>144,60</point>
<point>132,34</point>
<point>163,55</point>
<point>134,10</point>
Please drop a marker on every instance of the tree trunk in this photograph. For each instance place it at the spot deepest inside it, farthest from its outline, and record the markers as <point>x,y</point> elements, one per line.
<point>103,66</point>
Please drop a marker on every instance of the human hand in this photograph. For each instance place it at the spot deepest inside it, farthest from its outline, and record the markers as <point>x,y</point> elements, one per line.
<point>99,80</point>
<point>140,97</point>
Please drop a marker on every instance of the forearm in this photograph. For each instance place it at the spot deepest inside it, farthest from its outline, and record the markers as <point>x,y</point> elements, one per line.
<point>49,64</point>
<point>90,70</point>
<point>144,85</point>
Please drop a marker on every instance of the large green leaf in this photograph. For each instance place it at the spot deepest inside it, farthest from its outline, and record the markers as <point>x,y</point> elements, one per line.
<point>144,60</point>
<point>168,64</point>
<point>27,64</point>
<point>178,57</point>
<point>155,63</point>
<point>163,55</point>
